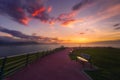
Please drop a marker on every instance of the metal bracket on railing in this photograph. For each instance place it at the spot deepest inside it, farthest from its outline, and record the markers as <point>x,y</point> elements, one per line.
<point>27,59</point>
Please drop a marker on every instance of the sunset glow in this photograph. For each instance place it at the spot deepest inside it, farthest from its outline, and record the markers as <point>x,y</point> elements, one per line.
<point>62,21</point>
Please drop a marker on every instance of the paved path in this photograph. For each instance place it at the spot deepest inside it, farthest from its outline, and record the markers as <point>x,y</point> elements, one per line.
<point>57,66</point>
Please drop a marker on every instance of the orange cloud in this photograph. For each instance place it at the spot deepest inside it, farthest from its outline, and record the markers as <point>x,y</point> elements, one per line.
<point>35,13</point>
<point>51,22</point>
<point>25,21</point>
<point>5,34</point>
<point>49,9</point>
<point>68,22</point>
<point>71,22</point>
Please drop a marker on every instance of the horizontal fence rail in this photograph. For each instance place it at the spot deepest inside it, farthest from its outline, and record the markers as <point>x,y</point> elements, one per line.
<point>11,64</point>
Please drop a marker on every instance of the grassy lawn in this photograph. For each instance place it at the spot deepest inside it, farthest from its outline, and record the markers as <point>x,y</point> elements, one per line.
<point>106,59</point>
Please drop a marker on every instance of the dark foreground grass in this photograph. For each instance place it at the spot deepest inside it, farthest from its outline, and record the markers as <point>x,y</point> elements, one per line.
<point>106,59</point>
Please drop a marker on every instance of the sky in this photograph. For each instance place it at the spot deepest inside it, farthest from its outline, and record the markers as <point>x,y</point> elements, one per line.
<point>60,21</point>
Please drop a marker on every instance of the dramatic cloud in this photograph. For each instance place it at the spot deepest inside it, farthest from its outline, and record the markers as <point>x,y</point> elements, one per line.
<point>70,22</point>
<point>105,14</point>
<point>68,19</point>
<point>70,15</point>
<point>81,4</point>
<point>32,37</point>
<point>117,28</point>
<point>116,25</point>
<point>49,9</point>
<point>23,10</point>
<point>17,33</point>
<point>14,9</point>
<point>39,11</point>
<point>7,39</point>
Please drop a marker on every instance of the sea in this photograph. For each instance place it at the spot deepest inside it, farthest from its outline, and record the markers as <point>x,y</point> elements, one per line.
<point>24,49</point>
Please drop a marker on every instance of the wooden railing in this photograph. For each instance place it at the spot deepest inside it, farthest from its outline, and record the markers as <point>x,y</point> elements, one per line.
<point>10,64</point>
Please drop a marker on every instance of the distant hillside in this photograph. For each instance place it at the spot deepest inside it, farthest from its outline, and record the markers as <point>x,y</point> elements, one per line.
<point>112,41</point>
<point>10,41</point>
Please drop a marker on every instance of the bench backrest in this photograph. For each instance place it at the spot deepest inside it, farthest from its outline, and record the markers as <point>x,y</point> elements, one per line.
<point>86,56</point>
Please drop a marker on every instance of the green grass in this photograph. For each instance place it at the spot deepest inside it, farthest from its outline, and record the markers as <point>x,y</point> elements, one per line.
<point>106,59</point>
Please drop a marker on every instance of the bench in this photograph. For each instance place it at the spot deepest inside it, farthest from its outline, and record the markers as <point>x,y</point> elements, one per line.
<point>83,59</point>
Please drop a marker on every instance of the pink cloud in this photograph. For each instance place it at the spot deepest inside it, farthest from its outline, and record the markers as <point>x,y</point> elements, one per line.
<point>71,22</point>
<point>49,9</point>
<point>103,15</point>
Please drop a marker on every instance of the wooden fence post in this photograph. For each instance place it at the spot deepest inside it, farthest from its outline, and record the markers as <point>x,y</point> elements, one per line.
<point>2,68</point>
<point>27,59</point>
<point>37,55</point>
